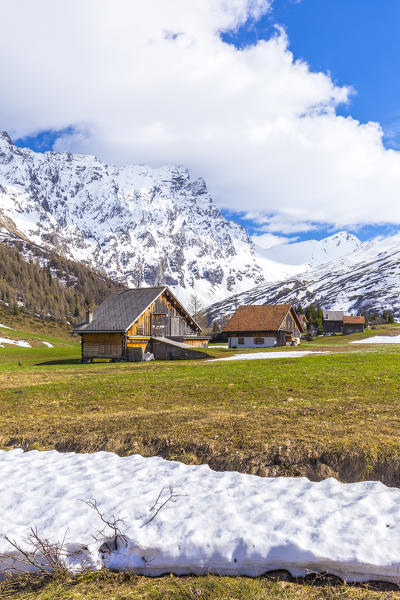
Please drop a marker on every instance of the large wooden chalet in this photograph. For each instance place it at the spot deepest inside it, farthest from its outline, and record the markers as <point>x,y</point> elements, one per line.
<point>263,326</point>
<point>135,321</point>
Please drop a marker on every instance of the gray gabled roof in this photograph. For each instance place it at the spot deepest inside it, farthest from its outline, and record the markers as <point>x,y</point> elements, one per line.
<point>120,310</point>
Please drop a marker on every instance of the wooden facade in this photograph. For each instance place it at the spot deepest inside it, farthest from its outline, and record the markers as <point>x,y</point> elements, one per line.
<point>102,345</point>
<point>164,318</point>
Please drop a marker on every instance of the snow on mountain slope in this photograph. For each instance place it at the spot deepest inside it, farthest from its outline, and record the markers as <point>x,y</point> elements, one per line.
<point>368,279</point>
<point>312,252</point>
<point>141,225</point>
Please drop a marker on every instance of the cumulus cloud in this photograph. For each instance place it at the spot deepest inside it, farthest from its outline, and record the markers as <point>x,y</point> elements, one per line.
<point>152,81</point>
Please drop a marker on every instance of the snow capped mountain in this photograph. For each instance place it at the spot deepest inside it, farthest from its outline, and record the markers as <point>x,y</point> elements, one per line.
<point>141,225</point>
<point>313,252</point>
<point>367,279</point>
<point>150,226</point>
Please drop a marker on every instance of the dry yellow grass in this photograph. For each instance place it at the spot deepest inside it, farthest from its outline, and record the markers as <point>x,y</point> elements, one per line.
<point>120,586</point>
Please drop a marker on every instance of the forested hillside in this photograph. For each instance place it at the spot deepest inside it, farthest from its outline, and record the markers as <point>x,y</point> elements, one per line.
<point>48,285</point>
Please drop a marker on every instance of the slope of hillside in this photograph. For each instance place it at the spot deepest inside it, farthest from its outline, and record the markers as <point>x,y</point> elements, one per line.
<point>366,280</point>
<point>142,226</point>
<point>42,284</point>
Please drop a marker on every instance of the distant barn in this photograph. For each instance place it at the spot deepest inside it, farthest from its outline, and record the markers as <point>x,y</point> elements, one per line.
<point>263,326</point>
<point>135,321</point>
<point>336,321</point>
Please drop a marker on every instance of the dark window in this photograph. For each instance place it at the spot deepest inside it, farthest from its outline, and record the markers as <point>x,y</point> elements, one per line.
<point>139,331</point>
<point>241,340</point>
<point>258,340</point>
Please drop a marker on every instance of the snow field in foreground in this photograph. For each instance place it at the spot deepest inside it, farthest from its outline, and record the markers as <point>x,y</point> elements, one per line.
<point>379,339</point>
<point>259,355</point>
<point>227,523</point>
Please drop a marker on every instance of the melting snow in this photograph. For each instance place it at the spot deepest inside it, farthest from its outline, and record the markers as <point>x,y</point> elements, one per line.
<point>15,343</point>
<point>228,523</point>
<point>258,355</point>
<point>6,327</point>
<point>379,339</point>
<point>47,344</point>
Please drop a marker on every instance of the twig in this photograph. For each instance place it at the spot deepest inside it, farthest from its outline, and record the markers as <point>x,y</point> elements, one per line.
<point>112,523</point>
<point>171,498</point>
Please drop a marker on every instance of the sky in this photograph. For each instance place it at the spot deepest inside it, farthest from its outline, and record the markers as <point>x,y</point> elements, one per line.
<point>358,42</point>
<point>288,108</point>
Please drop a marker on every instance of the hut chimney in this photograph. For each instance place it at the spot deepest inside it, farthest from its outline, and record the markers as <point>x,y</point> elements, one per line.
<point>89,316</point>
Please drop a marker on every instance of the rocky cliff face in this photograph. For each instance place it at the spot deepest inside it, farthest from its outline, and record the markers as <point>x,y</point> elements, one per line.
<point>141,226</point>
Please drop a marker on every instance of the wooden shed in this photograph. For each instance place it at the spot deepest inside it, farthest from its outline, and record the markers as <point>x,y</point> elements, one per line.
<point>140,320</point>
<point>263,326</point>
<point>353,324</point>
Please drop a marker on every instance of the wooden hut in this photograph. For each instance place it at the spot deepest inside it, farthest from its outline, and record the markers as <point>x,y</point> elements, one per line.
<point>353,324</point>
<point>140,320</point>
<point>263,326</point>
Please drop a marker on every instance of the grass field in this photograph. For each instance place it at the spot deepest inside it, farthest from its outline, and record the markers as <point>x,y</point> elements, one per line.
<point>323,414</point>
<point>235,412</point>
<point>114,586</point>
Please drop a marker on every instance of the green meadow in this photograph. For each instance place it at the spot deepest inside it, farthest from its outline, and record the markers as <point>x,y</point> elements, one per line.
<point>342,397</point>
<point>333,412</point>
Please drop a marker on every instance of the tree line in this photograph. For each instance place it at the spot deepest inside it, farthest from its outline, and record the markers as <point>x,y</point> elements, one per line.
<point>50,286</point>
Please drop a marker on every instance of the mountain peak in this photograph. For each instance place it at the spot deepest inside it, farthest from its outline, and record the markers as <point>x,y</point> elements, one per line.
<point>313,252</point>
<point>6,138</point>
<point>141,225</point>
<point>342,236</point>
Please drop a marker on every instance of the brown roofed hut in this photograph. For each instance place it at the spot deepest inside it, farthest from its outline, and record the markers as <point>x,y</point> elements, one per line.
<point>353,324</point>
<point>263,326</point>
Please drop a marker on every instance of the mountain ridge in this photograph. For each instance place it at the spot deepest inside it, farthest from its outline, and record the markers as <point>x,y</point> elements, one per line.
<point>367,280</point>
<point>313,252</point>
<point>139,225</point>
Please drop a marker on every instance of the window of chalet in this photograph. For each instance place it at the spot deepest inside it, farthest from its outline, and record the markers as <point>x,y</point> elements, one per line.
<point>241,340</point>
<point>258,340</point>
<point>139,330</point>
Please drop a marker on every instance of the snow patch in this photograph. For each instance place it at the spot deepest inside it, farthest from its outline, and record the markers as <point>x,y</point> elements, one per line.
<point>222,522</point>
<point>259,355</point>
<point>47,344</point>
<point>379,339</point>
<point>20,343</point>
<point>6,327</point>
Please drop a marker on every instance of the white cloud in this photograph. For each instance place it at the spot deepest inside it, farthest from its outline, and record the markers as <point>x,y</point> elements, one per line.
<point>152,81</point>
<point>269,240</point>
<point>276,224</point>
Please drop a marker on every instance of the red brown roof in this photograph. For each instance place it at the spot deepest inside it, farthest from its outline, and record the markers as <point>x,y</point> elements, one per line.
<point>258,318</point>
<point>354,320</point>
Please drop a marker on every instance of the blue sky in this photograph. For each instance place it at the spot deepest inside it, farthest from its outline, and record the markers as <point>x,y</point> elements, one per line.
<point>356,41</point>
